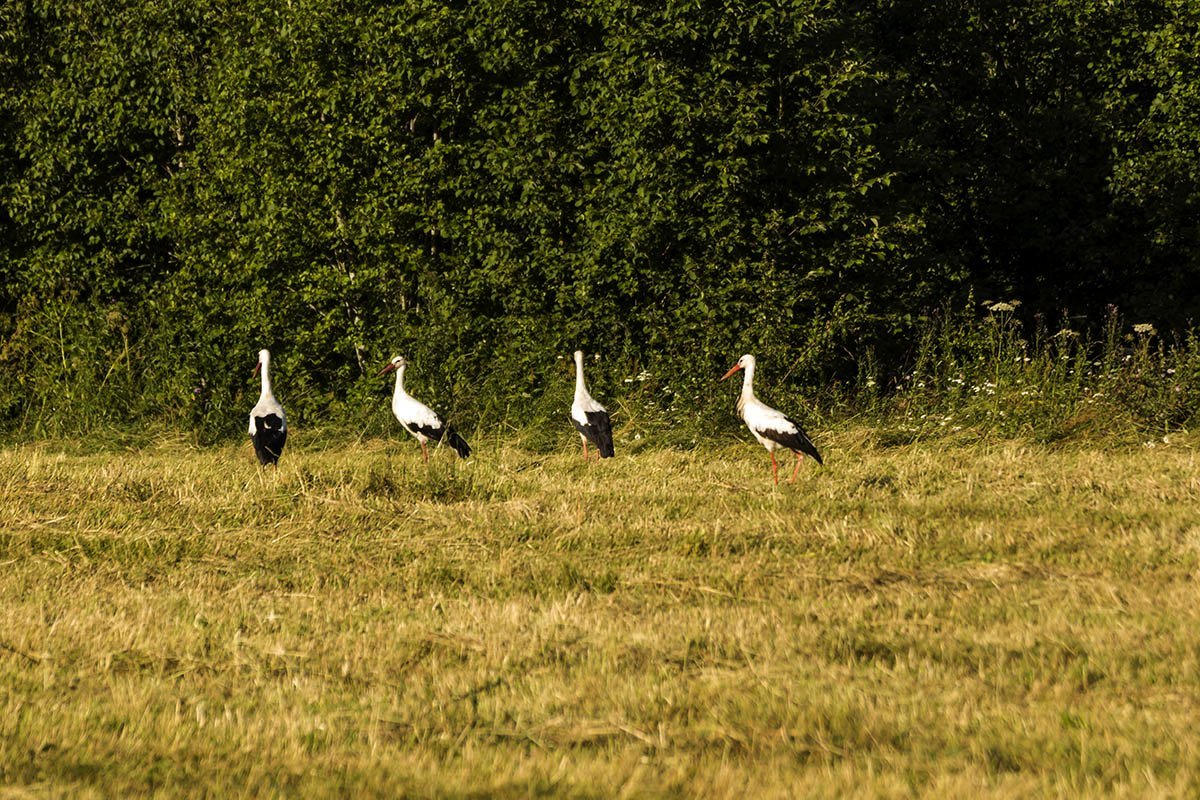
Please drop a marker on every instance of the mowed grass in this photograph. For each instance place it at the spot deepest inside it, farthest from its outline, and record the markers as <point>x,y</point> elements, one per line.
<point>936,617</point>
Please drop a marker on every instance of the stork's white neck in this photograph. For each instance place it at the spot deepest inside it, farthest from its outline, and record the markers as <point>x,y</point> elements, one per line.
<point>748,382</point>
<point>399,383</point>
<point>266,378</point>
<point>747,394</point>
<point>580,386</point>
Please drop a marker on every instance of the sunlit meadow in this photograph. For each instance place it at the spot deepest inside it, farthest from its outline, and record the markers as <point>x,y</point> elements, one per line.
<point>940,616</point>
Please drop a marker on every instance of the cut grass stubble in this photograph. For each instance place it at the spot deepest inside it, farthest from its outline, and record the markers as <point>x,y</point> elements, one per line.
<point>933,616</point>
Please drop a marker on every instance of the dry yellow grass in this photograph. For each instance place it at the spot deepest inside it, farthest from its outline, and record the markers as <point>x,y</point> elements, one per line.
<point>935,618</point>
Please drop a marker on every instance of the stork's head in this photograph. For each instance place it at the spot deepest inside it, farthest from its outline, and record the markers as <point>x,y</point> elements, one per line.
<point>264,357</point>
<point>394,364</point>
<point>745,362</point>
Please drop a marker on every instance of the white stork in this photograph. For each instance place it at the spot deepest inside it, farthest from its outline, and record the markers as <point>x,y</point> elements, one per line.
<point>772,428</point>
<point>268,424</point>
<point>589,417</point>
<point>418,418</point>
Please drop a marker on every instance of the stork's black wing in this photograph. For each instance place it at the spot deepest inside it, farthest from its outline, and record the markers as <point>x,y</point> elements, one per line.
<point>598,431</point>
<point>443,433</point>
<point>796,441</point>
<point>269,438</point>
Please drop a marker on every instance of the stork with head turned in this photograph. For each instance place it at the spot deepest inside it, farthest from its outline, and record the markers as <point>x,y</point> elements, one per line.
<point>418,418</point>
<point>772,428</point>
<point>268,424</point>
<point>589,417</point>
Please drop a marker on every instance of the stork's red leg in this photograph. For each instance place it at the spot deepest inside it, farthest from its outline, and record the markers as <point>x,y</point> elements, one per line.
<point>796,471</point>
<point>774,467</point>
<point>424,452</point>
<point>585,453</point>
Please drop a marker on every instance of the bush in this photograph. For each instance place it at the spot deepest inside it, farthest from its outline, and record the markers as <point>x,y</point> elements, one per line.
<point>486,186</point>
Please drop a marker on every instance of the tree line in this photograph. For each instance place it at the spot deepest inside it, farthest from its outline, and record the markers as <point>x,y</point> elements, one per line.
<point>484,186</point>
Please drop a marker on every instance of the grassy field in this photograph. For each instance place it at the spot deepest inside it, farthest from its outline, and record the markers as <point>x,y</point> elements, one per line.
<point>937,617</point>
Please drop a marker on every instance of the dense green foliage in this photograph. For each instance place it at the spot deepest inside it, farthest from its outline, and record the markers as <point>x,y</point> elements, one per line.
<point>486,186</point>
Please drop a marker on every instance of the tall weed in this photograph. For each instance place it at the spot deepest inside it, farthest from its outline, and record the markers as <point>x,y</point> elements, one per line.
<point>1003,375</point>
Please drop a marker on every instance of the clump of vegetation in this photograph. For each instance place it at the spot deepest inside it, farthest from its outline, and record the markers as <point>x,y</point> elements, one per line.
<point>999,375</point>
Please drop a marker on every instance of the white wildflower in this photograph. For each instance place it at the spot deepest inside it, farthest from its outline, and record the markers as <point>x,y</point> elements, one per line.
<point>1144,329</point>
<point>1001,306</point>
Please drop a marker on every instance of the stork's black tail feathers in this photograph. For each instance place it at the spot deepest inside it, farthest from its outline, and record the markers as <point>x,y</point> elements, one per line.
<point>457,443</point>
<point>810,449</point>
<point>268,439</point>
<point>797,442</point>
<point>606,447</point>
<point>604,440</point>
<point>598,431</point>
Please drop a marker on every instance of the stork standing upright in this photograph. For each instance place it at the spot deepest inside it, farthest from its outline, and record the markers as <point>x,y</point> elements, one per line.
<point>418,418</point>
<point>771,427</point>
<point>268,424</point>
<point>589,417</point>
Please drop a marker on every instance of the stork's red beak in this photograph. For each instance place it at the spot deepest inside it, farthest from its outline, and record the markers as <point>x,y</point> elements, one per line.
<point>257,367</point>
<point>732,370</point>
<point>386,370</point>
